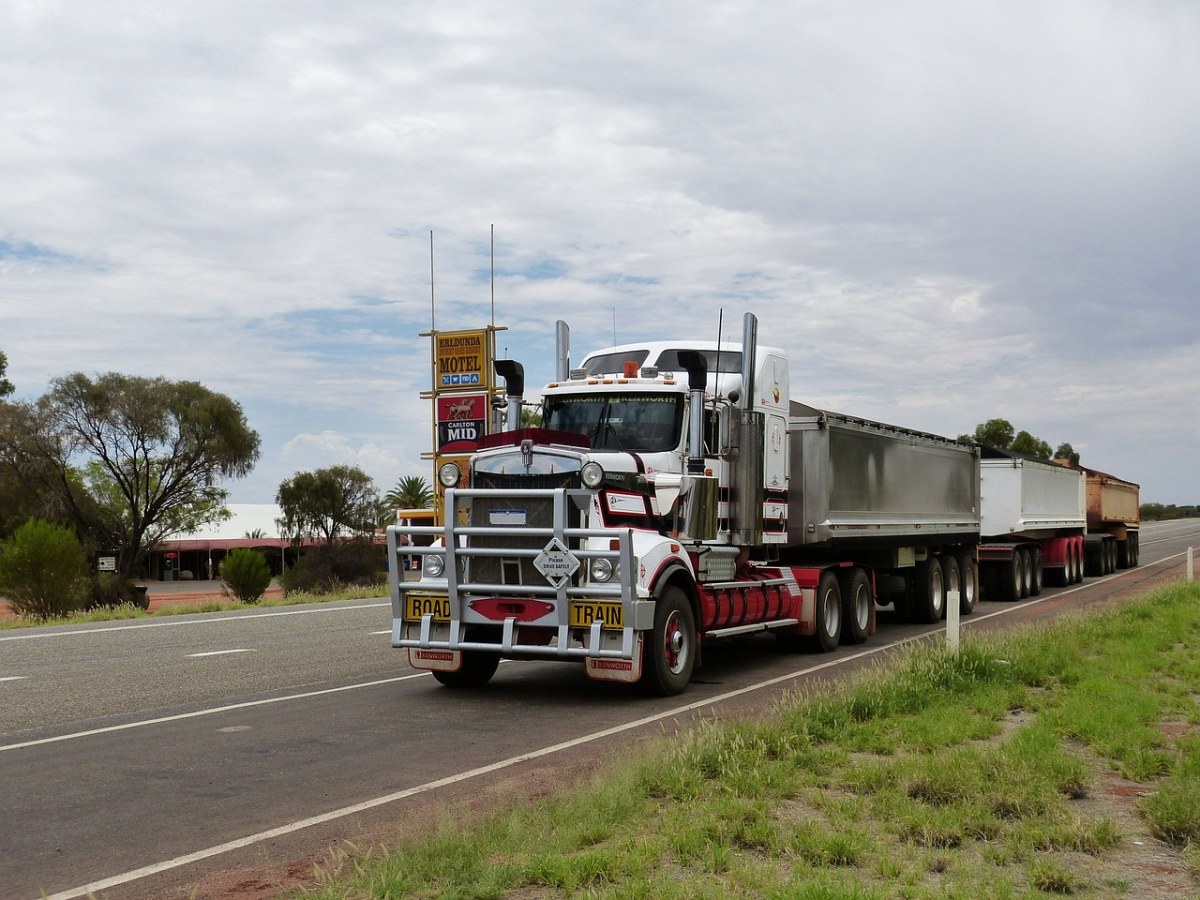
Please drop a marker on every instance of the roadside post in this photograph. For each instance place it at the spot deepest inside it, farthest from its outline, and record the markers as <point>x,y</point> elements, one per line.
<point>1191,571</point>
<point>952,616</point>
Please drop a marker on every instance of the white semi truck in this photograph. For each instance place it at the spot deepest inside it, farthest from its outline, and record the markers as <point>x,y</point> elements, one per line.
<point>676,496</point>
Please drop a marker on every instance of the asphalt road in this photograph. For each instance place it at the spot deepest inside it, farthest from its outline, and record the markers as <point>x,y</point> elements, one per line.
<point>223,753</point>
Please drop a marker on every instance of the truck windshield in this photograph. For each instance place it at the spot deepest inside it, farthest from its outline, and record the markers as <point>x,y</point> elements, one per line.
<point>638,422</point>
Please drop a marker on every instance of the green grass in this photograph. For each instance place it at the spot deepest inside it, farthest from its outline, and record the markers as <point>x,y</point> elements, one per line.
<point>936,775</point>
<point>218,604</point>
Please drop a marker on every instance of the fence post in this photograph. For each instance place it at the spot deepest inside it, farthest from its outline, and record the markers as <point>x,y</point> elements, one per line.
<point>952,616</point>
<point>1190,568</point>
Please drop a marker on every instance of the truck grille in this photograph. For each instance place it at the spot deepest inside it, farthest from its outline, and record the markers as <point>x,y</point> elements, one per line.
<point>538,513</point>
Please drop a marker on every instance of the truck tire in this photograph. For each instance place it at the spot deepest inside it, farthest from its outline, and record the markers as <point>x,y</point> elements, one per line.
<point>477,670</point>
<point>1036,572</point>
<point>1093,559</point>
<point>968,573</point>
<point>672,647</point>
<point>1123,554</point>
<point>952,578</point>
<point>1135,550</point>
<point>1009,578</point>
<point>1077,563</point>
<point>857,604</point>
<point>1111,556</point>
<point>928,592</point>
<point>827,616</point>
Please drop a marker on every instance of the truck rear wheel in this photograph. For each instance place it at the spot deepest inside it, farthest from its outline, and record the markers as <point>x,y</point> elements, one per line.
<point>857,602</point>
<point>1036,572</point>
<point>477,670</point>
<point>928,592</point>
<point>827,615</point>
<point>672,646</point>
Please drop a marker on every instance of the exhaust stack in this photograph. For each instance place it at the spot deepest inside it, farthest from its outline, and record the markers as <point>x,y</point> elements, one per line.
<point>562,351</point>
<point>746,493</point>
<point>513,374</point>
<point>697,369</point>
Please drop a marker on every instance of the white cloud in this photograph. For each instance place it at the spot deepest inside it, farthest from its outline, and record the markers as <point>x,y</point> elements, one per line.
<point>945,213</point>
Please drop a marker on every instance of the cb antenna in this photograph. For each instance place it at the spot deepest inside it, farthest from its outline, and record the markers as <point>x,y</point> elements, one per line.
<point>493,254</point>
<point>432,306</point>
<point>717,361</point>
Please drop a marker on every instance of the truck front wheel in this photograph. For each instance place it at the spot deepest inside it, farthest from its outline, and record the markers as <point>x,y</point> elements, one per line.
<point>672,646</point>
<point>477,670</point>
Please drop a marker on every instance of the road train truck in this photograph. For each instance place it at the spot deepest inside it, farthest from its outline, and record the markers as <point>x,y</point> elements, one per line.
<point>675,496</point>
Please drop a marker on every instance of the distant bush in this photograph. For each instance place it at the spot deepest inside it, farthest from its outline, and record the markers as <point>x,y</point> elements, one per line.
<point>316,572</point>
<point>111,590</point>
<point>43,571</point>
<point>246,574</point>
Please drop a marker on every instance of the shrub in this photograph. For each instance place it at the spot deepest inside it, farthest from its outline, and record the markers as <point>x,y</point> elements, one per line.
<point>246,574</point>
<point>43,570</point>
<point>319,572</point>
<point>110,590</point>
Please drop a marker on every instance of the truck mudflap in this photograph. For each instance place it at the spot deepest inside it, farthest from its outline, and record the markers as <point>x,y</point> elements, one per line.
<point>557,614</point>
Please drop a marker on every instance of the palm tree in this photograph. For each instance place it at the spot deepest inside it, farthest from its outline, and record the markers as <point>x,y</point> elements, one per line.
<point>410,492</point>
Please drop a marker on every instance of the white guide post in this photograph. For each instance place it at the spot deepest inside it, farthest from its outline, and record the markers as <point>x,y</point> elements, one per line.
<point>952,615</point>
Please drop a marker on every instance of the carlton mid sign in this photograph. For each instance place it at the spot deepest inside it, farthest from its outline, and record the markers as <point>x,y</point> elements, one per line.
<point>463,360</point>
<point>461,422</point>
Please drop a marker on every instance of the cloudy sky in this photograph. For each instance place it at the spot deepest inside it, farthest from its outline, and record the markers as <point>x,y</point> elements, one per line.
<point>945,211</point>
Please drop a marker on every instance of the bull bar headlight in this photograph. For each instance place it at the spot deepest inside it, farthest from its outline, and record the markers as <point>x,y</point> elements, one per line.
<point>603,570</point>
<point>433,565</point>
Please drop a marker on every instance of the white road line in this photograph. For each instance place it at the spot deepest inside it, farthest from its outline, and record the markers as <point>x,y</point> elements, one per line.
<point>220,652</point>
<point>207,712</point>
<point>206,621</point>
<point>250,840</point>
<point>13,677</point>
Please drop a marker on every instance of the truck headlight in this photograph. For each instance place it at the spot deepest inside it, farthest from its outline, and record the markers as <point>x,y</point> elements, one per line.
<point>592,474</point>
<point>433,565</point>
<point>605,570</point>
<point>449,475</point>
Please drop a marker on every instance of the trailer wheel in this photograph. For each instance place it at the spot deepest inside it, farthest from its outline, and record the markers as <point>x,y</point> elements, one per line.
<point>857,602</point>
<point>928,592</point>
<point>1077,561</point>
<point>1135,550</point>
<point>673,646</point>
<point>1036,572</point>
<point>477,670</point>
<point>1112,556</point>
<point>968,570</point>
<point>1009,579</point>
<point>952,578</point>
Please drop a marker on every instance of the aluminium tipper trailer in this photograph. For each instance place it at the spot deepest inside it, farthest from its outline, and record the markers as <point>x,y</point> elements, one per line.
<point>1033,523</point>
<point>903,503</point>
